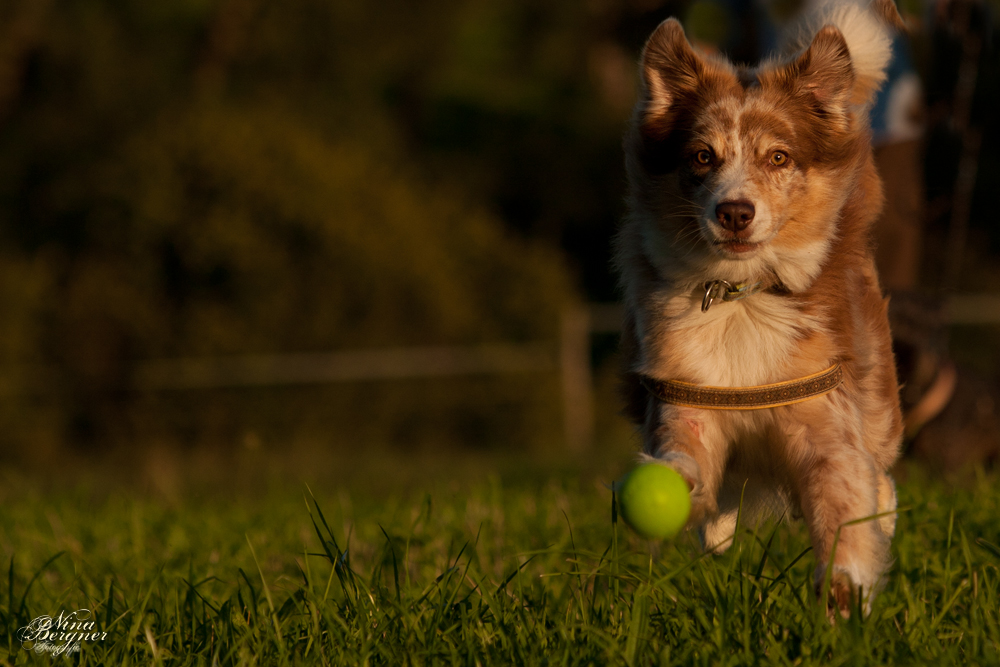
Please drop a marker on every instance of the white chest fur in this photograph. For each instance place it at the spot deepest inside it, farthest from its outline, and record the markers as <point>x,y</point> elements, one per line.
<point>734,344</point>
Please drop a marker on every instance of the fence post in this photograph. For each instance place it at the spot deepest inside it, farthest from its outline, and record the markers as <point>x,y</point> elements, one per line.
<point>577,383</point>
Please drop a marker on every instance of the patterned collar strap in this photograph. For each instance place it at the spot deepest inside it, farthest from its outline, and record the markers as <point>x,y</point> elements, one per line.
<point>745,398</point>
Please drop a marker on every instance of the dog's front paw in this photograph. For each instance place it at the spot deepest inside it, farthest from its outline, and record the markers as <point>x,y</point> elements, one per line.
<point>845,594</point>
<point>842,596</point>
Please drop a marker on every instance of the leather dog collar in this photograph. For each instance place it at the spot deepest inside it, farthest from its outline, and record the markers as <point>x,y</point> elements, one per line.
<point>758,397</point>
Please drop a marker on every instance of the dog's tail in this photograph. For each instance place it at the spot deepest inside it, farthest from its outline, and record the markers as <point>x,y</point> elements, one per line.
<point>868,28</point>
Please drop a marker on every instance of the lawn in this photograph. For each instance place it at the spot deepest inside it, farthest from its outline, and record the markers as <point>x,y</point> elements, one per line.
<point>526,567</point>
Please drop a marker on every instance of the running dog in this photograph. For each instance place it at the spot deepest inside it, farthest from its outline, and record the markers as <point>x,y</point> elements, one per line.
<point>758,360</point>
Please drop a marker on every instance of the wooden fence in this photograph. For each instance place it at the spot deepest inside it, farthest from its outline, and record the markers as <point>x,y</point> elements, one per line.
<point>570,356</point>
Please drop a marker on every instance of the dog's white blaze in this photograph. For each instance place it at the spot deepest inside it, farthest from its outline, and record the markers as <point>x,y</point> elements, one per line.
<point>737,181</point>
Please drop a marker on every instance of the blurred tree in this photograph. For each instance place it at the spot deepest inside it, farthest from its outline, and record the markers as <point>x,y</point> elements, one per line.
<point>189,187</point>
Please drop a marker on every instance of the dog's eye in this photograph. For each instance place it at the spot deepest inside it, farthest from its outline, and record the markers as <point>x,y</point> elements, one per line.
<point>778,158</point>
<point>704,157</point>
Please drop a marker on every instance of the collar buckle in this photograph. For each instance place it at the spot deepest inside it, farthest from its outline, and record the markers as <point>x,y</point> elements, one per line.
<point>727,291</point>
<point>714,289</point>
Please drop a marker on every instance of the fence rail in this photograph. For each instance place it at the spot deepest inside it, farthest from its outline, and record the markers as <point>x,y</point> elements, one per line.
<point>346,366</point>
<point>570,356</point>
<point>973,309</point>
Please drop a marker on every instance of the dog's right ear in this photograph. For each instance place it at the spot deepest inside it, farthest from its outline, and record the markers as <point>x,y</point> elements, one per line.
<point>824,71</point>
<point>670,70</point>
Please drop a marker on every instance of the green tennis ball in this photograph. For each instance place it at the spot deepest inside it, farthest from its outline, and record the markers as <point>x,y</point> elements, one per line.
<point>654,500</point>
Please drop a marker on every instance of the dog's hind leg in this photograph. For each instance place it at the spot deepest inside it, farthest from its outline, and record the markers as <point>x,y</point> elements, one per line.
<point>717,533</point>
<point>745,501</point>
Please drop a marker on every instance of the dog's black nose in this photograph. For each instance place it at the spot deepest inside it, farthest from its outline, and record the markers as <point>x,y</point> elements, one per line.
<point>735,215</point>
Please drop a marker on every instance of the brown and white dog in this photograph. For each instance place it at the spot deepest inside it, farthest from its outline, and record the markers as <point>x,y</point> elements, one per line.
<point>765,177</point>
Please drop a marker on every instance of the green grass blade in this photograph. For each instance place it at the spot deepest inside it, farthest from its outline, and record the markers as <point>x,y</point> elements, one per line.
<point>267,594</point>
<point>27,589</point>
<point>395,566</point>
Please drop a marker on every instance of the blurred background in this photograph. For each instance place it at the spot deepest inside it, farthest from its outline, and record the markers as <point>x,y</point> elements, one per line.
<point>318,229</point>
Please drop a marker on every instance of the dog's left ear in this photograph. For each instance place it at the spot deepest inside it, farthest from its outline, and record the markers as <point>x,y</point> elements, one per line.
<point>825,72</point>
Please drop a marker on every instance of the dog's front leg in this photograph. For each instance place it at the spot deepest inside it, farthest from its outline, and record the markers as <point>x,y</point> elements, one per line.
<point>690,442</point>
<point>837,483</point>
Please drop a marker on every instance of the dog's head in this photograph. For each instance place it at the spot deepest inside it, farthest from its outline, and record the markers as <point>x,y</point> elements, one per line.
<point>743,171</point>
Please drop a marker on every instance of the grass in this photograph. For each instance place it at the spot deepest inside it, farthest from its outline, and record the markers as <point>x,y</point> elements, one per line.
<point>491,571</point>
